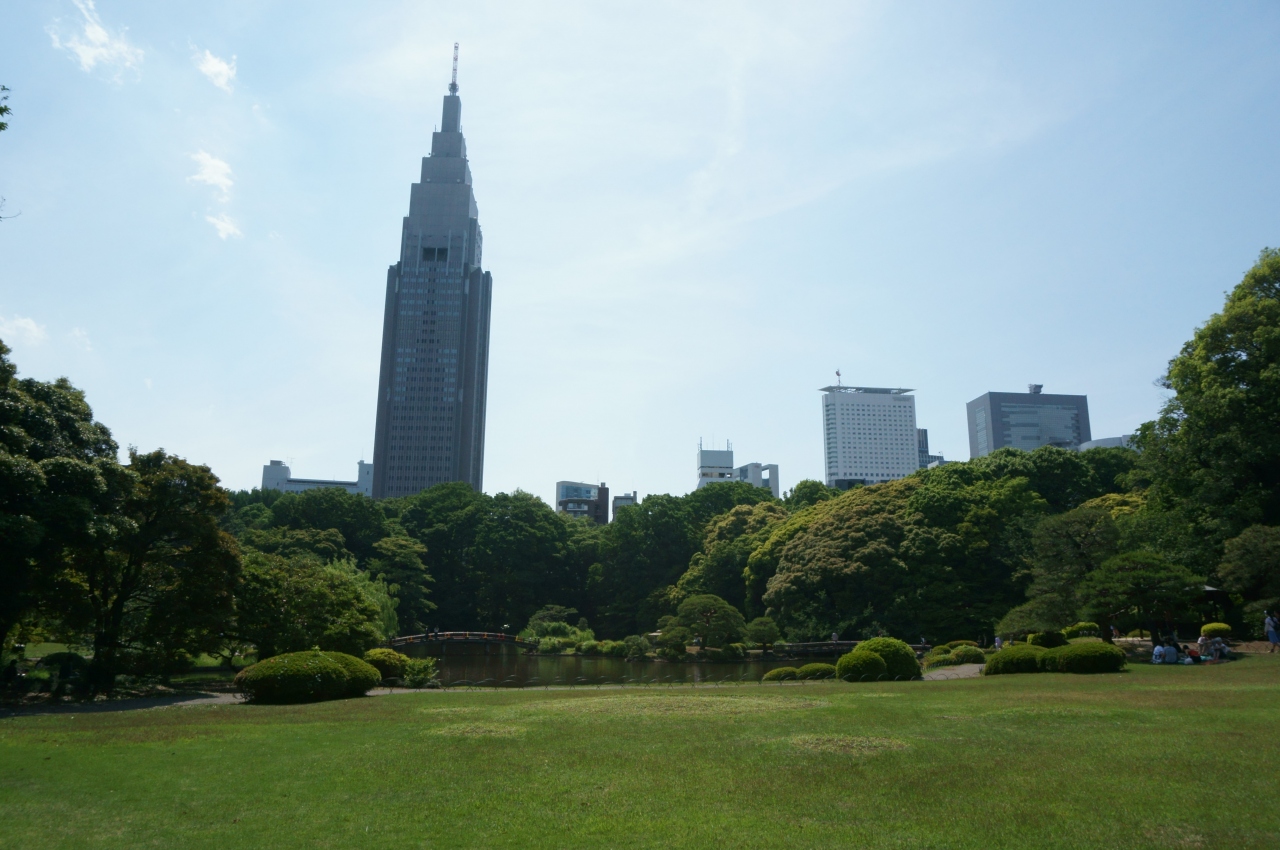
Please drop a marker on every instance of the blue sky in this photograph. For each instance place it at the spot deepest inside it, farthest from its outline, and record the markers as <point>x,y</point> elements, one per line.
<point>694,214</point>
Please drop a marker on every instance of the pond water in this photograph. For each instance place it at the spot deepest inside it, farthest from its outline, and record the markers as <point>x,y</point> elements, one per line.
<point>535,670</point>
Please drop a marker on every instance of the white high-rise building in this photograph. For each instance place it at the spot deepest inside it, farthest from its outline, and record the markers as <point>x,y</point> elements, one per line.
<point>870,435</point>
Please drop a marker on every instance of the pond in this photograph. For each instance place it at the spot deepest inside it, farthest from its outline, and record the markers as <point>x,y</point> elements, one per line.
<point>534,670</point>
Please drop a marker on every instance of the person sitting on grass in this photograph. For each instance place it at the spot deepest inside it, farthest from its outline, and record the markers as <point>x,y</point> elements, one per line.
<point>1157,654</point>
<point>1171,652</point>
<point>1193,656</point>
<point>1271,626</point>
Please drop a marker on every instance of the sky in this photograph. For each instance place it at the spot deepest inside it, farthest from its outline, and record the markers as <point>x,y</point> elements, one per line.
<point>694,215</point>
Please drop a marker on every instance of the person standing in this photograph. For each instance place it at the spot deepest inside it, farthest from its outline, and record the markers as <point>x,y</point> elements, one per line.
<point>999,644</point>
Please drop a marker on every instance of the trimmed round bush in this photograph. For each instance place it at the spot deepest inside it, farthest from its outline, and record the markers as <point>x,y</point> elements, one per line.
<point>1215,630</point>
<point>362,677</point>
<point>816,671</point>
<point>899,659</point>
<point>952,644</point>
<point>968,655</point>
<point>1023,658</point>
<point>939,650</point>
<point>860,666</point>
<point>1083,658</point>
<point>1082,629</point>
<point>1047,640</point>
<point>388,662</point>
<point>780,674</point>
<point>294,677</point>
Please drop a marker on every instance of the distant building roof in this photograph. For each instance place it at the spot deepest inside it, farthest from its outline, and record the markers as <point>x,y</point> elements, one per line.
<point>881,390</point>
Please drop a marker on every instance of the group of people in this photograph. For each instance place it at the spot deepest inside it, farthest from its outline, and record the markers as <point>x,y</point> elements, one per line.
<point>1206,650</point>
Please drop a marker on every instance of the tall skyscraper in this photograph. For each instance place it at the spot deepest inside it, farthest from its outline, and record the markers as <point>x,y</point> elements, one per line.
<point>870,435</point>
<point>1027,421</point>
<point>435,331</point>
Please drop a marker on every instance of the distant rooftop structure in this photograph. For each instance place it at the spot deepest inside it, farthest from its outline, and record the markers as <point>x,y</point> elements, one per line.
<point>277,476</point>
<point>840,388</point>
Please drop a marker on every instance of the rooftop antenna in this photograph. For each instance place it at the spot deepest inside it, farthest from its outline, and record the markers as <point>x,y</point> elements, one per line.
<point>453,86</point>
<point>838,384</point>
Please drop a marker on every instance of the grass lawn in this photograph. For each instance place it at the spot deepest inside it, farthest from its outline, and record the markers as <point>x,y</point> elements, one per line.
<point>1156,757</point>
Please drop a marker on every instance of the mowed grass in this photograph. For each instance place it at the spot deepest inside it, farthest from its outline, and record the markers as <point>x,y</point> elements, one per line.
<point>1158,758</point>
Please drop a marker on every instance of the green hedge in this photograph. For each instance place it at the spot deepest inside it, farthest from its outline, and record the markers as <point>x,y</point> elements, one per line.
<point>1213,630</point>
<point>1082,629</point>
<point>294,677</point>
<point>952,644</point>
<point>1083,658</point>
<point>860,666</point>
<point>1047,640</point>
<point>389,663</point>
<point>899,659</point>
<point>780,674</point>
<point>362,677</point>
<point>420,673</point>
<point>816,671</point>
<point>968,655</point>
<point>1023,658</point>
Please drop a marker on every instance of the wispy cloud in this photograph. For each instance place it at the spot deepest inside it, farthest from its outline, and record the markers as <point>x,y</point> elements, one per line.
<point>219,71</point>
<point>22,329</point>
<point>93,45</point>
<point>212,172</point>
<point>80,338</point>
<point>224,225</point>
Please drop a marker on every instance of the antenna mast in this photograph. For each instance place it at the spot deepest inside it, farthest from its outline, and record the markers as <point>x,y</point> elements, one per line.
<point>453,86</point>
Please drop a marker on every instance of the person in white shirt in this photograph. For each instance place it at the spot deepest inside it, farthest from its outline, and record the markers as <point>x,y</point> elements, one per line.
<point>1157,654</point>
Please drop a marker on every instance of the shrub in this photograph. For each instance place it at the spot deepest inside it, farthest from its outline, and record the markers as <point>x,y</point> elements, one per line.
<point>968,655</point>
<point>1024,658</point>
<point>860,665</point>
<point>75,662</point>
<point>1215,630</point>
<point>1138,633</point>
<point>293,677</point>
<point>635,646</point>
<point>362,677</point>
<point>1082,630</point>
<point>952,644</point>
<point>732,652</point>
<point>939,650</point>
<point>1047,640</point>
<point>1083,658</point>
<point>944,660</point>
<point>589,647</point>
<point>420,673</point>
<point>816,671</point>
<point>899,659</point>
<point>780,674</point>
<point>389,663</point>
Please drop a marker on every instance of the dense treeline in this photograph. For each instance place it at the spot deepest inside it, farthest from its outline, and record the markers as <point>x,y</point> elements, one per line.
<point>151,561</point>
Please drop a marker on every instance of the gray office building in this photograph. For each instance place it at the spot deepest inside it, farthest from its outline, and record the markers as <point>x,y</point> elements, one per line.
<point>1027,421</point>
<point>435,333</point>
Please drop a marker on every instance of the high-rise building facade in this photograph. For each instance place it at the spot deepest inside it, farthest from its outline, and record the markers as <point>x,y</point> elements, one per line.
<point>1027,421</point>
<point>435,333</point>
<point>870,435</point>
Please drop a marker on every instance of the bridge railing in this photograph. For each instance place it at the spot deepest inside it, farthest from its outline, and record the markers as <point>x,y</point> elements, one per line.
<point>460,637</point>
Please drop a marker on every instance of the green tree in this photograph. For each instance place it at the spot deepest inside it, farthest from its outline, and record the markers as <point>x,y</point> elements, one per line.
<point>715,499</point>
<point>1213,455</point>
<point>649,547</point>
<point>399,564</point>
<point>158,574</point>
<point>55,465</point>
<point>325,544</point>
<point>290,604</point>
<point>445,519</point>
<point>359,519</point>
<point>1250,568</point>
<point>763,631</point>
<point>520,556</point>
<point>712,619</point>
<point>729,540</point>
<point>809,492</point>
<point>1140,589</point>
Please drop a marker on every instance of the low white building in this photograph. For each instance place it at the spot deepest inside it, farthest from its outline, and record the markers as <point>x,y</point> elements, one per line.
<point>276,476</point>
<point>716,466</point>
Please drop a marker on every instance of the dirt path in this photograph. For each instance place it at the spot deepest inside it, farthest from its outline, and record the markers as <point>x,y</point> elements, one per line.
<point>959,671</point>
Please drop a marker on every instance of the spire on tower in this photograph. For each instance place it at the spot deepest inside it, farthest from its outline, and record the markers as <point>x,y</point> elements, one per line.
<point>453,86</point>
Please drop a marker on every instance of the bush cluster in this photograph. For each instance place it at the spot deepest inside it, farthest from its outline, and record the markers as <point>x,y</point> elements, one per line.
<point>1215,630</point>
<point>1083,658</point>
<point>780,674</point>
<point>860,666</point>
<point>1021,658</point>
<point>294,677</point>
<point>952,644</point>
<point>1047,640</point>
<point>816,671</point>
<point>389,663</point>
<point>1082,629</point>
<point>899,658</point>
<point>420,673</point>
<point>362,677</point>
